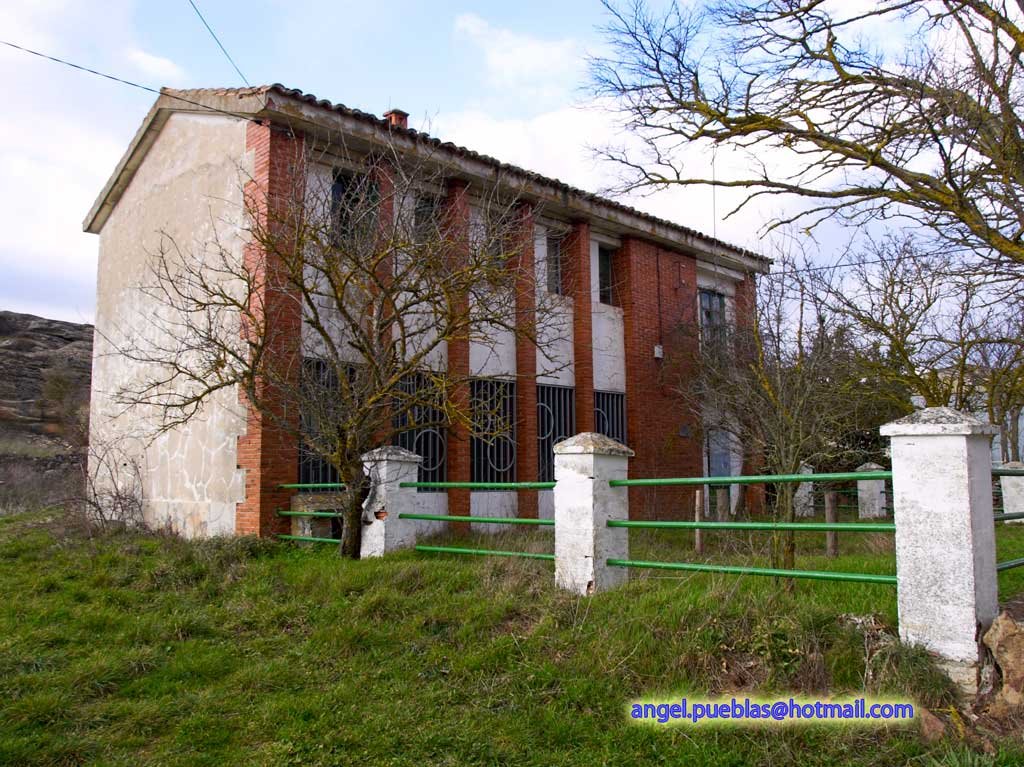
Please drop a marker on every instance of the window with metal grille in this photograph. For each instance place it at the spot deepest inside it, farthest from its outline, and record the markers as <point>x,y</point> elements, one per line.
<point>712,317</point>
<point>554,266</point>
<point>556,420</point>
<point>419,429</point>
<point>319,379</point>
<point>610,414</point>
<point>492,448</point>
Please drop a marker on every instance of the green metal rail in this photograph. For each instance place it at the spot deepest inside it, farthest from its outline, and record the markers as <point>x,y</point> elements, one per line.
<point>307,538</point>
<point>487,520</point>
<point>1008,517</point>
<point>312,486</point>
<point>810,527</point>
<point>1009,565</point>
<point>1008,472</point>
<point>485,552</point>
<point>289,513</point>
<point>820,575</point>
<point>479,485</point>
<point>848,476</point>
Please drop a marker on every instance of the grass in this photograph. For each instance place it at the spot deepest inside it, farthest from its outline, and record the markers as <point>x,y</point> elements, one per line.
<point>131,649</point>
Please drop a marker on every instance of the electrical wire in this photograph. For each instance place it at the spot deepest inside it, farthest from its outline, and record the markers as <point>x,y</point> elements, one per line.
<point>123,81</point>
<point>219,43</point>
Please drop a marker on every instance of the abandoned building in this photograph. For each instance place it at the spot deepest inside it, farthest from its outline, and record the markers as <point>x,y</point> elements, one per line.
<point>221,473</point>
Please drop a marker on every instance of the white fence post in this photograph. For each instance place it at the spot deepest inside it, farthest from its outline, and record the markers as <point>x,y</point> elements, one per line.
<point>803,498</point>
<point>584,503</point>
<point>945,537</point>
<point>1012,489</point>
<point>870,494</point>
<point>383,531</point>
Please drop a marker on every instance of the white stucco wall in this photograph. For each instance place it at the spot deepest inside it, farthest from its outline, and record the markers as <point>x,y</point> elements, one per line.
<point>189,186</point>
<point>555,355</point>
<point>609,335</point>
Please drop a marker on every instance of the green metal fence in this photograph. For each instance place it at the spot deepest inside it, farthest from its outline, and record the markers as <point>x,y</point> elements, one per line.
<point>480,519</point>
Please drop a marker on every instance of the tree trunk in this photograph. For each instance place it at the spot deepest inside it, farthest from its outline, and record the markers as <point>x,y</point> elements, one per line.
<point>356,491</point>
<point>831,537</point>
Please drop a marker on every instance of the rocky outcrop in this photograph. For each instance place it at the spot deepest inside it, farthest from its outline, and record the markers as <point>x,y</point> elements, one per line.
<point>44,381</point>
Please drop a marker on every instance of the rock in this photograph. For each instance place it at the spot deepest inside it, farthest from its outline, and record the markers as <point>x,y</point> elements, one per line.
<point>933,729</point>
<point>37,356</point>
<point>1005,638</point>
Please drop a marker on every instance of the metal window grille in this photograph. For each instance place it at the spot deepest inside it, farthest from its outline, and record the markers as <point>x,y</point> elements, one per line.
<point>610,414</point>
<point>419,429</point>
<point>556,420</point>
<point>319,376</point>
<point>712,317</point>
<point>554,266</point>
<point>492,447</point>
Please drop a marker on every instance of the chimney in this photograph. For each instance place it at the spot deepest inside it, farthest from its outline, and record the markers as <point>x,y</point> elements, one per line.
<point>397,118</point>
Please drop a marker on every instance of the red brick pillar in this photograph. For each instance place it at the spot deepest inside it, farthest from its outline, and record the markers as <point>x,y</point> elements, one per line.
<point>457,228</point>
<point>577,265</point>
<point>744,305</point>
<point>658,291</point>
<point>268,451</point>
<point>526,365</point>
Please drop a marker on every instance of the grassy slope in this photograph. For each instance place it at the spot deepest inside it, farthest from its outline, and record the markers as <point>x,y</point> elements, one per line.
<point>143,650</point>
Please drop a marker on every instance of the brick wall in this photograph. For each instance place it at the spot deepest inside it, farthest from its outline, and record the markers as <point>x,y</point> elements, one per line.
<point>577,276</point>
<point>658,291</point>
<point>268,452</point>
<point>526,366</point>
<point>456,216</point>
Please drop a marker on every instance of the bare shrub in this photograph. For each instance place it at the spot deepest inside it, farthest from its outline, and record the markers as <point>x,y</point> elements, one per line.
<point>112,494</point>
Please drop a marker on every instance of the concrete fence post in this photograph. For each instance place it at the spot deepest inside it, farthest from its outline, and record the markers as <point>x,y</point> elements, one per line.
<point>870,494</point>
<point>584,503</point>
<point>945,537</point>
<point>1012,489</point>
<point>383,531</point>
<point>803,498</point>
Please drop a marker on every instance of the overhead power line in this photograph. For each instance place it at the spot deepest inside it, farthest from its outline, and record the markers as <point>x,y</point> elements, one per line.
<point>123,81</point>
<point>219,43</point>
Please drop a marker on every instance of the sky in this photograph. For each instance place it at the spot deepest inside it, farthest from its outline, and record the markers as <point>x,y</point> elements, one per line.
<point>506,79</point>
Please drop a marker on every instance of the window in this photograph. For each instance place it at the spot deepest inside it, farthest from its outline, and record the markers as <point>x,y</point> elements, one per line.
<point>354,201</point>
<point>554,266</point>
<point>419,429</point>
<point>605,288</point>
<point>712,317</point>
<point>318,379</point>
<point>492,448</point>
<point>556,420</point>
<point>610,414</point>
<point>425,217</point>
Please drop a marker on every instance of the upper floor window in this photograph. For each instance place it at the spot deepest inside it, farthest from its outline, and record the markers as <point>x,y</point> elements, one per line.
<point>713,323</point>
<point>354,199</point>
<point>554,266</point>
<point>605,275</point>
<point>426,217</point>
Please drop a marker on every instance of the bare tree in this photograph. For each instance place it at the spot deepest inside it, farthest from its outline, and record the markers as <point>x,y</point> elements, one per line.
<point>789,387</point>
<point>334,326</point>
<point>899,108</point>
<point>924,329</point>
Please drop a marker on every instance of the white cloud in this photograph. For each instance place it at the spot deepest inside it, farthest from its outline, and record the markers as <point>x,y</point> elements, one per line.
<point>520,66</point>
<point>164,71</point>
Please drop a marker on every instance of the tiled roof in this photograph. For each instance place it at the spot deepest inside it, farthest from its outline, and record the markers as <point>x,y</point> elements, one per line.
<point>461,151</point>
<point>222,102</point>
